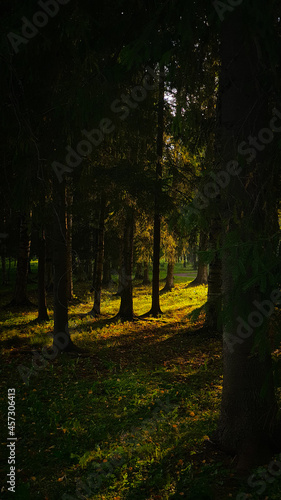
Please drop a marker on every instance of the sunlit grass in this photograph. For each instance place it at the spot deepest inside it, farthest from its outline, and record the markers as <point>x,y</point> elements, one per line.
<point>128,418</point>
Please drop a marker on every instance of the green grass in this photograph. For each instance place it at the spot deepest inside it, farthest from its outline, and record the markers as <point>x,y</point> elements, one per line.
<point>129,418</point>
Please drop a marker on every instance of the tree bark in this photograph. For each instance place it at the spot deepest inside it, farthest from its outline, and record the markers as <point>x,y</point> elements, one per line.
<point>247,421</point>
<point>4,271</point>
<point>106,280</point>
<point>202,271</point>
<point>146,280</point>
<point>155,307</point>
<point>139,271</point>
<point>20,293</point>
<point>214,298</point>
<point>126,312</point>
<point>49,279</point>
<point>97,278</point>
<point>68,216</point>
<point>3,247</point>
<point>169,285</point>
<point>42,304</point>
<point>193,257</point>
<point>62,340</point>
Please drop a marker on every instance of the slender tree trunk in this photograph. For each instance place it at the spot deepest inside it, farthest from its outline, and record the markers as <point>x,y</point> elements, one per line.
<point>62,339</point>
<point>155,307</point>
<point>193,257</point>
<point>120,265</point>
<point>42,305</point>
<point>139,271</point>
<point>184,260</point>
<point>9,269</point>
<point>106,280</point>
<point>202,271</point>
<point>4,255</point>
<point>20,293</point>
<point>126,312</point>
<point>49,282</point>
<point>95,255</point>
<point>247,422</point>
<point>68,216</point>
<point>146,280</point>
<point>4,272</point>
<point>90,267</point>
<point>97,278</point>
<point>169,285</point>
<point>214,298</point>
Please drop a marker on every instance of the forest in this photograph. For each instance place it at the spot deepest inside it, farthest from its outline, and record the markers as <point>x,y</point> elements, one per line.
<point>140,217</point>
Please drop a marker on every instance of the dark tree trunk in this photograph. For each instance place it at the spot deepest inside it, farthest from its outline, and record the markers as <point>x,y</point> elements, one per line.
<point>97,278</point>
<point>42,305</point>
<point>202,271</point>
<point>20,294</point>
<point>247,421</point>
<point>126,312</point>
<point>184,260</point>
<point>62,339</point>
<point>139,271</point>
<point>9,269</point>
<point>214,298</point>
<point>49,281</point>
<point>3,247</point>
<point>68,216</point>
<point>106,280</point>
<point>155,307</point>
<point>90,259</point>
<point>120,265</point>
<point>4,271</point>
<point>169,285</point>
<point>95,254</point>
<point>193,257</point>
<point>146,280</point>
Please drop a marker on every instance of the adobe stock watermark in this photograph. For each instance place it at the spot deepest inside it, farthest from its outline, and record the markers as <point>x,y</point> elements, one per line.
<point>247,149</point>
<point>96,136</point>
<point>40,19</point>
<point>255,319</point>
<point>262,477</point>
<point>227,6</point>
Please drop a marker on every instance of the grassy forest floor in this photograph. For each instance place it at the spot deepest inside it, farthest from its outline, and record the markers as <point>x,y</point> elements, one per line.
<point>130,416</point>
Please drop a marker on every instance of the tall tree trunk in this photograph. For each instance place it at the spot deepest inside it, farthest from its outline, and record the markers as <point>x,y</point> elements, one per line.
<point>193,257</point>
<point>68,216</point>
<point>20,293</point>
<point>3,247</point>
<point>146,280</point>
<point>49,279</point>
<point>4,271</point>
<point>202,271</point>
<point>89,265</point>
<point>155,307</point>
<point>126,312</point>
<point>120,265</point>
<point>106,279</point>
<point>169,285</point>
<point>42,305</point>
<point>248,412</point>
<point>139,271</point>
<point>184,260</point>
<point>214,297</point>
<point>62,339</point>
<point>97,278</point>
